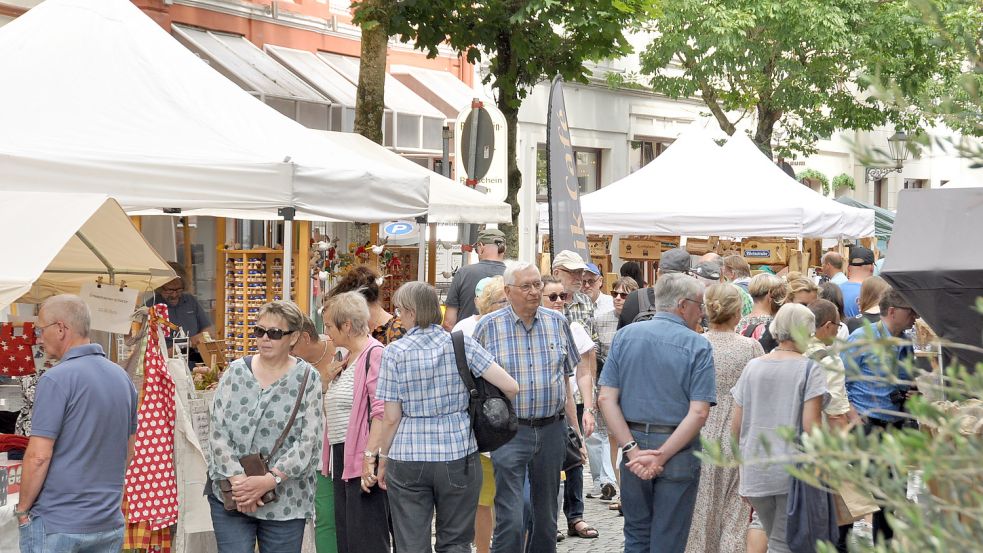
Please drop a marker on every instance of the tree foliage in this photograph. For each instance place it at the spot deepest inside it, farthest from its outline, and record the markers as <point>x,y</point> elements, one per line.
<point>524,43</point>
<point>806,65</point>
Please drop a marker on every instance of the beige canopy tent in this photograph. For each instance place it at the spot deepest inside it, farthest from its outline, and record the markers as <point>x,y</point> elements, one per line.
<point>55,243</point>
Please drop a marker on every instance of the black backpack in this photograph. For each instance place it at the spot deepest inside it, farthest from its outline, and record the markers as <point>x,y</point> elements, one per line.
<point>646,305</point>
<point>493,419</point>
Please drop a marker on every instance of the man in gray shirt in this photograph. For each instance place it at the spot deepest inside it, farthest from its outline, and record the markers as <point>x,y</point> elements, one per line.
<point>83,424</point>
<point>490,247</point>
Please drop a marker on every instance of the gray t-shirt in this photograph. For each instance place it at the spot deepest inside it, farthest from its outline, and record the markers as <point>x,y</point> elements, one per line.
<point>88,405</point>
<point>461,293</point>
<point>770,393</point>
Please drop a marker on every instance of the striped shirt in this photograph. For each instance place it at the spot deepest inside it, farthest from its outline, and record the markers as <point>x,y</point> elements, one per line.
<point>338,405</point>
<point>420,371</point>
<point>539,357</point>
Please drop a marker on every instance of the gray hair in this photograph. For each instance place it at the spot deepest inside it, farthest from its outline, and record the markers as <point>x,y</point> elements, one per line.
<point>511,269</point>
<point>421,299</point>
<point>792,320</point>
<point>69,310</point>
<point>287,310</point>
<point>672,288</point>
<point>347,307</point>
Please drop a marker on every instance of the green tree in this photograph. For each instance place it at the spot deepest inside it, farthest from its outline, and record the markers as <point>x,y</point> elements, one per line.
<point>806,65</point>
<point>525,42</point>
<point>374,17</point>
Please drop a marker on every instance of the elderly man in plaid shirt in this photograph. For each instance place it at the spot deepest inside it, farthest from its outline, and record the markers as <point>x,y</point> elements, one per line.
<point>535,346</point>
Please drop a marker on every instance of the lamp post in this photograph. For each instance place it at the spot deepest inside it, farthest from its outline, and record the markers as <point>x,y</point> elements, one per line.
<point>897,146</point>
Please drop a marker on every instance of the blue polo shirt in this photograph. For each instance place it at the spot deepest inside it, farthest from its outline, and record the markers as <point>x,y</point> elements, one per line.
<point>851,298</point>
<point>659,366</point>
<point>88,406</point>
<point>862,361</point>
<point>187,314</point>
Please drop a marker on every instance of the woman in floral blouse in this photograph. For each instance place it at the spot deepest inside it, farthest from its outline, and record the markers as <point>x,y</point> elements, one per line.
<point>251,408</point>
<point>385,326</point>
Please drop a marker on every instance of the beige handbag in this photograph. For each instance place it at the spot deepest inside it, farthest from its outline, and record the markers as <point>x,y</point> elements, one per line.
<point>853,504</point>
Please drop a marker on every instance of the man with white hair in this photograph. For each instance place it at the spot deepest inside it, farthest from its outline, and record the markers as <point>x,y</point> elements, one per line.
<point>657,388</point>
<point>536,347</point>
<point>85,416</point>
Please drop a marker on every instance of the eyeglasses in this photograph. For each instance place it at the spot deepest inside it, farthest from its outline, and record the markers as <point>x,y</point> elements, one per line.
<point>698,303</point>
<point>272,333</point>
<point>590,281</point>
<point>39,330</point>
<point>502,301</point>
<point>555,296</point>
<point>529,286</point>
<point>172,290</point>
<point>622,295</point>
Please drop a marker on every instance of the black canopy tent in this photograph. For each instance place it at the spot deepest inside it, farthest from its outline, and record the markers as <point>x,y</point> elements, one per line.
<point>936,262</point>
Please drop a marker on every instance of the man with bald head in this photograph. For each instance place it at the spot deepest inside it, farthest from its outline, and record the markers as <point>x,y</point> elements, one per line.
<point>84,419</point>
<point>832,267</point>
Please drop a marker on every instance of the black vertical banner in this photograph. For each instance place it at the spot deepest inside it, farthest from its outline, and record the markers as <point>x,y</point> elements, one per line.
<point>566,223</point>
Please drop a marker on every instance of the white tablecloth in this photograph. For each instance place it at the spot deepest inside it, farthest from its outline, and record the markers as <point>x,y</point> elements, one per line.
<point>9,536</point>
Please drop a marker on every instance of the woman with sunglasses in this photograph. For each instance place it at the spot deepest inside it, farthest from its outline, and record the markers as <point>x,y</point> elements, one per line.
<point>353,417</point>
<point>252,406</point>
<point>606,325</point>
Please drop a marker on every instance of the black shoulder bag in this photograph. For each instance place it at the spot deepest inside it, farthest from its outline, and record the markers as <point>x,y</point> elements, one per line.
<point>493,419</point>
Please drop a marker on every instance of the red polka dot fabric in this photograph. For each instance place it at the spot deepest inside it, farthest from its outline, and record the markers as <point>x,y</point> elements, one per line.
<point>151,482</point>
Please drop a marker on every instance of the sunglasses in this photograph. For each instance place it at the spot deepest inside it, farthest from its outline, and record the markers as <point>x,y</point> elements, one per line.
<point>622,295</point>
<point>561,296</point>
<point>272,333</point>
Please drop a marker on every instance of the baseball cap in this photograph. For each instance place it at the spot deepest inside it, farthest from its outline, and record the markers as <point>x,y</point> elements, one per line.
<point>676,260</point>
<point>860,255</point>
<point>569,260</point>
<point>480,287</point>
<point>708,269</point>
<point>593,269</point>
<point>490,236</point>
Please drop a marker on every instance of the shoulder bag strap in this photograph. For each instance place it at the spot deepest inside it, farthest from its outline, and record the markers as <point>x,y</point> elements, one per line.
<point>293,414</point>
<point>457,340</point>
<point>805,382</point>
<point>368,399</point>
<point>644,302</point>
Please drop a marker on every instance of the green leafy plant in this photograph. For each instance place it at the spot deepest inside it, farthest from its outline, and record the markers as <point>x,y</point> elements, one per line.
<point>811,177</point>
<point>842,180</point>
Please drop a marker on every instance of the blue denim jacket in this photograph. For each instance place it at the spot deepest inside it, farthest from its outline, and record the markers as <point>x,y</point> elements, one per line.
<point>872,398</point>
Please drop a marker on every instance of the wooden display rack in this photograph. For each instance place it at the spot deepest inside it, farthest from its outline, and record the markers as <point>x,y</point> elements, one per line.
<point>409,263</point>
<point>252,279</point>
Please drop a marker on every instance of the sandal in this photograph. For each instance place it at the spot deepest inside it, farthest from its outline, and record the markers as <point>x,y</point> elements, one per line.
<point>614,506</point>
<point>586,532</point>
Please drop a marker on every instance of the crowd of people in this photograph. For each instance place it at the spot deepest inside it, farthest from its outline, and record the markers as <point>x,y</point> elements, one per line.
<point>365,428</point>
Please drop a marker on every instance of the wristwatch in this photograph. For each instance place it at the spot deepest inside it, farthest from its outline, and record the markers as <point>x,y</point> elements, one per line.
<point>592,411</point>
<point>18,514</point>
<point>369,454</point>
<point>629,446</point>
<point>276,478</point>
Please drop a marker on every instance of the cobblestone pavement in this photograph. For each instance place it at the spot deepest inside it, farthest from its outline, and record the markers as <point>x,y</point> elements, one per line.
<point>609,527</point>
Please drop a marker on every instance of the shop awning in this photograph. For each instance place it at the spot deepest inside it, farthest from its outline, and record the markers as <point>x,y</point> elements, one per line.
<point>257,73</point>
<point>155,127</point>
<point>325,79</point>
<point>440,89</point>
<point>418,125</point>
<point>58,242</point>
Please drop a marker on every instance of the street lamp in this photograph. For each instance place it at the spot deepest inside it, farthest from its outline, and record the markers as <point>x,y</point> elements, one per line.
<point>897,145</point>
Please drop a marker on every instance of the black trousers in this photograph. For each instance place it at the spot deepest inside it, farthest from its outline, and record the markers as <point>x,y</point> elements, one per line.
<point>881,528</point>
<point>361,519</point>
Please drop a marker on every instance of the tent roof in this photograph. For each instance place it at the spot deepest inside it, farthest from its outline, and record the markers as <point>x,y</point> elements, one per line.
<point>108,102</point>
<point>883,218</point>
<point>822,217</point>
<point>935,264</point>
<point>46,254</point>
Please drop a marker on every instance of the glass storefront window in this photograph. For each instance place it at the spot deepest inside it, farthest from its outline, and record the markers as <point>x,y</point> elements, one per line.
<point>643,151</point>
<point>588,170</point>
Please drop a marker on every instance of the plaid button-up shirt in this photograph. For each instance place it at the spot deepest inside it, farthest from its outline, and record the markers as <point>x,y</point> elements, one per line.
<point>581,310</point>
<point>540,357</point>
<point>420,371</point>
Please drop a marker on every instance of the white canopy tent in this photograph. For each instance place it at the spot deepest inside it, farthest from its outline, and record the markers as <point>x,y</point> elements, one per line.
<point>58,242</point>
<point>103,100</point>
<point>822,217</point>
<point>695,189</point>
<point>963,182</point>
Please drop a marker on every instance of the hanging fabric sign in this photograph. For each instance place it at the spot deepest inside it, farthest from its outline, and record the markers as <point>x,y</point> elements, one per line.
<point>110,306</point>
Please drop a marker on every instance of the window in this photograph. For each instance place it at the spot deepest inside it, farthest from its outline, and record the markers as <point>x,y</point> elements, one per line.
<point>588,170</point>
<point>915,183</point>
<point>880,192</point>
<point>644,150</point>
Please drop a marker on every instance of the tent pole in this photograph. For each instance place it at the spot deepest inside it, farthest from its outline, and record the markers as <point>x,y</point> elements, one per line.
<point>421,268</point>
<point>109,267</point>
<point>288,247</point>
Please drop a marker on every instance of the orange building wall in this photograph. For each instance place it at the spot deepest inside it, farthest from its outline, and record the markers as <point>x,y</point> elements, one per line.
<point>262,32</point>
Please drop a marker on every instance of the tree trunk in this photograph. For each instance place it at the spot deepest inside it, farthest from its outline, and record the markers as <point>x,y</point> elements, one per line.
<point>370,100</point>
<point>511,113</point>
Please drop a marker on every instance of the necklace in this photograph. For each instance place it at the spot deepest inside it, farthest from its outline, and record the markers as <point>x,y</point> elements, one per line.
<point>323,353</point>
<point>786,349</point>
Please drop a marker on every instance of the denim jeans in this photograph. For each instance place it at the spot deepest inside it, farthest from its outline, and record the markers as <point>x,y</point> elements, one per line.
<point>34,540</point>
<point>236,532</point>
<point>658,512</point>
<point>573,495</point>
<point>599,457</point>
<point>538,451</point>
<point>418,488</point>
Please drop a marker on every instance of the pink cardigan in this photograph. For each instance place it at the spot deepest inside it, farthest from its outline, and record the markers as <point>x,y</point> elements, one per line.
<point>357,436</point>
